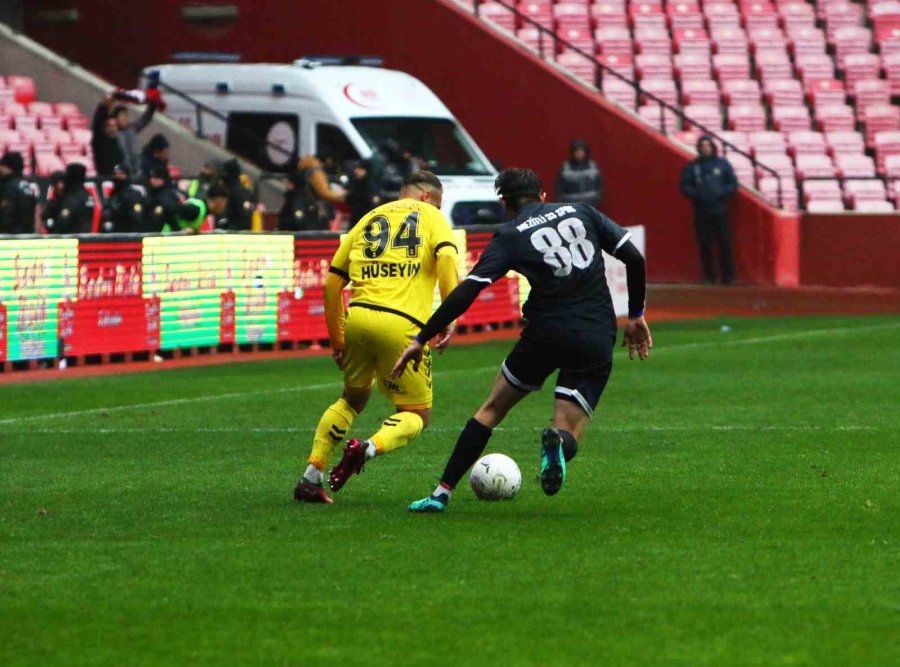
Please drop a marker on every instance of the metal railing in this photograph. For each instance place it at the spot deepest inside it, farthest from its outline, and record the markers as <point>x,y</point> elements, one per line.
<point>599,68</point>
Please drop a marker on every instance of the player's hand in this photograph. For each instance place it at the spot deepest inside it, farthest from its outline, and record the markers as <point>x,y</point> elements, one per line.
<point>443,339</point>
<point>338,356</point>
<point>412,353</point>
<point>637,338</point>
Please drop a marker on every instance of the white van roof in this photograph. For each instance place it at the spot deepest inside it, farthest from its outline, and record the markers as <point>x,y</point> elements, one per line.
<point>355,91</point>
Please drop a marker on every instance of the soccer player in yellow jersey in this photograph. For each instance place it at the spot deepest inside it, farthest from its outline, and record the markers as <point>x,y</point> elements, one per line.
<point>391,259</point>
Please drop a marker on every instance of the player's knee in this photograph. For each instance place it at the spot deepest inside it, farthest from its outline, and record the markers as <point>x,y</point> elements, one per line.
<point>356,400</point>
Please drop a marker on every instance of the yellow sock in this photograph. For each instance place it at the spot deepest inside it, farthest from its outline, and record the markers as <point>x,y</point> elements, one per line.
<point>332,428</point>
<point>397,431</point>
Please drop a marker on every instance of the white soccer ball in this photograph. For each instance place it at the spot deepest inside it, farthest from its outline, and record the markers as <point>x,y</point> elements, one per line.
<point>495,477</point>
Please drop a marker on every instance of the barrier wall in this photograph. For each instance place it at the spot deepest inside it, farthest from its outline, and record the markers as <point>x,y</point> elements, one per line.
<point>521,110</point>
<point>841,250</point>
<point>99,295</point>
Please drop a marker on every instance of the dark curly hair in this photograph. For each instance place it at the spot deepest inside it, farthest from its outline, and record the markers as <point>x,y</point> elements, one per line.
<point>517,187</point>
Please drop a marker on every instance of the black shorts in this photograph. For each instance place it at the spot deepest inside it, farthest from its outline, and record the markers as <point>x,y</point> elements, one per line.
<point>584,361</point>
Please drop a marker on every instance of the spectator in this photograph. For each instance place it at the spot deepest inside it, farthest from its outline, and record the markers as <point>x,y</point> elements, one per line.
<point>124,210</point>
<point>361,195</point>
<point>17,200</point>
<point>579,180</point>
<point>709,181</point>
<point>321,194</point>
<point>155,154</point>
<point>209,174</point>
<point>298,208</point>
<point>128,131</point>
<point>105,138</point>
<point>71,211</point>
<point>162,201</point>
<point>191,213</point>
<point>241,204</point>
<point>394,167</point>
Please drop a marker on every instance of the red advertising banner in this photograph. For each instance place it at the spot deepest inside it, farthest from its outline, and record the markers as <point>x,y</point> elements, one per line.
<point>108,314</point>
<point>3,320</point>
<point>301,312</point>
<point>226,318</point>
<point>497,303</point>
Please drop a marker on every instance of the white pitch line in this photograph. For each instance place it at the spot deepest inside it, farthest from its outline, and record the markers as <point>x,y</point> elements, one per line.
<point>337,385</point>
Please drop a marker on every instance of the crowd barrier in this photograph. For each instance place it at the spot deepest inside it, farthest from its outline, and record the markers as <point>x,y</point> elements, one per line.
<point>111,294</point>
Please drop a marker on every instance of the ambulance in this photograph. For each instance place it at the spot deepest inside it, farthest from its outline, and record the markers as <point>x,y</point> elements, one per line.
<point>272,114</point>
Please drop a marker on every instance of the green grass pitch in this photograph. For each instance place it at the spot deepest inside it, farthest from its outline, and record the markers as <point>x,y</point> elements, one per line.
<point>736,502</point>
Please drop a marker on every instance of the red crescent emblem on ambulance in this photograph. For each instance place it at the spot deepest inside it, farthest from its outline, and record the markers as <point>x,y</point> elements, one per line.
<point>362,96</point>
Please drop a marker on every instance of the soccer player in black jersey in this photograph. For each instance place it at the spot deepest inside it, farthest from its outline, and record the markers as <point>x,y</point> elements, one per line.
<point>571,324</point>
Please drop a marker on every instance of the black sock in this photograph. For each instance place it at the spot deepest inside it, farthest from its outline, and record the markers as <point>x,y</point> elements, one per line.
<point>469,446</point>
<point>569,445</point>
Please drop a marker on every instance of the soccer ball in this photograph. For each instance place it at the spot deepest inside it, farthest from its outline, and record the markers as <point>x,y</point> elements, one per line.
<point>495,477</point>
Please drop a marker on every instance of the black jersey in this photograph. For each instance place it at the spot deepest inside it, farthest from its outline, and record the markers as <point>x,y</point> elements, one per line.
<point>557,248</point>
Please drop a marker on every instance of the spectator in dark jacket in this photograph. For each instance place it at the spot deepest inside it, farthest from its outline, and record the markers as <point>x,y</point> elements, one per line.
<point>155,154</point>
<point>124,209</point>
<point>239,212</point>
<point>162,202</point>
<point>17,199</point>
<point>72,210</point>
<point>361,195</point>
<point>709,182</point>
<point>298,209</point>
<point>579,179</point>
<point>393,166</point>
<point>105,139</point>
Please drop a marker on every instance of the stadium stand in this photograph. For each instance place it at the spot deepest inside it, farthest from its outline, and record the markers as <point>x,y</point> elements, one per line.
<point>806,87</point>
<point>49,136</point>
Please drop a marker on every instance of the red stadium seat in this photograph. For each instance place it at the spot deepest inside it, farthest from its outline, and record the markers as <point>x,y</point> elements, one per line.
<point>570,15</point>
<point>845,142</point>
<point>747,117</point>
<point>783,92</point>
<point>774,66</point>
<point>706,115</point>
<point>892,71</point>
<point>825,206</point>
<point>855,165</point>
<point>653,40</point>
<point>578,38</point>
<point>692,41</point>
<point>759,15</point>
<point>684,15</point>
<point>609,15</point>
<point>721,14</point>
<point>797,14</point>
<point>767,39</point>
<point>767,142</point>
<point>874,206</point>
<point>813,67</point>
<point>664,120</point>
<point>700,91</point>
<point>692,66</point>
<point>737,139</point>
<point>22,87</point>
<point>806,39</point>
<point>731,66</point>
<point>805,142</point>
<point>740,91</point>
<point>787,118</point>
<point>537,12</point>
<point>814,166</point>
<point>835,117</point>
<point>826,91</point>
<point>859,66</point>
<point>879,118</point>
<point>729,39</point>
<point>578,65</point>
<point>651,66</point>
<point>663,89</point>
<point>619,91</point>
<point>614,41</point>
<point>647,15</point>
<point>499,14</point>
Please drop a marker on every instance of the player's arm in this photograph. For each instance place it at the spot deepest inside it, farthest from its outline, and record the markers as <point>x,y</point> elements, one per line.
<point>637,336</point>
<point>492,265</point>
<point>337,279</point>
<point>446,265</point>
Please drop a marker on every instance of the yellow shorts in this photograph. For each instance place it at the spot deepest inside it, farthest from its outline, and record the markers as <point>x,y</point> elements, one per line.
<point>373,341</point>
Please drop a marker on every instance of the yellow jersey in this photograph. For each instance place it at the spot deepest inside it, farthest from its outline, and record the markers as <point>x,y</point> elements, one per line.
<point>390,258</point>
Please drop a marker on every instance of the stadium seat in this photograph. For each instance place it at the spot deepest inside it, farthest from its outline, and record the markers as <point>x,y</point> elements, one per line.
<point>768,188</point>
<point>874,206</point>
<point>731,66</point>
<point>778,162</point>
<point>23,88</point>
<point>578,65</point>
<point>871,91</point>
<point>821,189</point>
<point>609,15</point>
<point>700,91</point>
<point>706,115</point>
<point>747,117</point>
<point>692,66</point>
<point>879,118</point>
<point>767,39</point>
<point>737,139</point>
<point>729,39</point>
<point>805,142</point>
<point>572,15</point>
<point>787,118</point>
<point>652,66</point>
<point>799,14</point>
<point>843,142</point>
<point>647,15</point>
<point>866,190</point>
<point>663,89</point>
<point>814,166</point>
<point>653,40</point>
<point>614,41</point>
<point>743,169</point>
<point>835,117</point>
<point>499,14</point>
<point>685,15</point>
<point>773,66</point>
<point>813,67</point>
<point>663,119</point>
<point>825,206</point>
<point>619,91</point>
<point>859,66</point>
<point>857,166</point>
<point>806,39</point>
<point>537,12</point>
<point>826,91</point>
<point>692,40</point>
<point>721,14</point>
<point>739,91</point>
<point>783,92</point>
<point>767,142</point>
